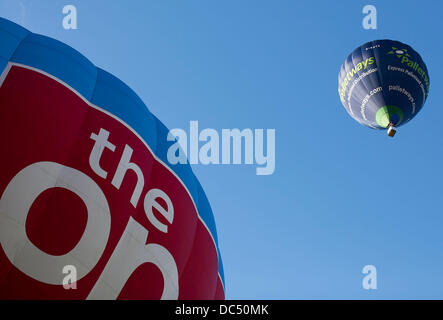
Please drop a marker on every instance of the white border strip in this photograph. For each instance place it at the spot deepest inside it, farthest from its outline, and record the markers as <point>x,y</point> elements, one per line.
<point>5,73</point>
<point>3,77</point>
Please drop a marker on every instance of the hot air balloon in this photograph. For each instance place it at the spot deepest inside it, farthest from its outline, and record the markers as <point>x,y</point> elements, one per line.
<point>90,208</point>
<point>383,84</point>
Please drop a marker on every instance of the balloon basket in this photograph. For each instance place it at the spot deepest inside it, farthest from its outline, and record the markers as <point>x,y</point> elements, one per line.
<point>392,131</point>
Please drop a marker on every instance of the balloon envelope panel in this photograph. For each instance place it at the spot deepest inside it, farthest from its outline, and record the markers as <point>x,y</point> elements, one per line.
<point>383,82</point>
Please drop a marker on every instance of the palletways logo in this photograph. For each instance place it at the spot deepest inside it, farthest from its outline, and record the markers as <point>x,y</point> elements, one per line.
<point>399,52</point>
<point>406,59</point>
<point>79,188</point>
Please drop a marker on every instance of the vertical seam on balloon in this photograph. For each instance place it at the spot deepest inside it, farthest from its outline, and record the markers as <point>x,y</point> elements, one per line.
<point>364,84</point>
<point>19,43</point>
<point>368,122</point>
<point>346,74</point>
<point>380,79</point>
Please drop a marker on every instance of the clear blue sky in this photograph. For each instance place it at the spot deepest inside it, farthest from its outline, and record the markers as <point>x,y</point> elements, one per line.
<point>342,195</point>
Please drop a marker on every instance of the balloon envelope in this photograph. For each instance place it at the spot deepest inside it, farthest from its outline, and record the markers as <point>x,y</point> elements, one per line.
<point>383,82</point>
<point>89,205</point>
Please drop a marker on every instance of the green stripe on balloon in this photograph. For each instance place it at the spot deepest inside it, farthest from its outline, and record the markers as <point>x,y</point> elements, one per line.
<point>386,114</point>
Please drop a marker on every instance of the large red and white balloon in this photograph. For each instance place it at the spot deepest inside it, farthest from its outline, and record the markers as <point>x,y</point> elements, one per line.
<point>89,206</point>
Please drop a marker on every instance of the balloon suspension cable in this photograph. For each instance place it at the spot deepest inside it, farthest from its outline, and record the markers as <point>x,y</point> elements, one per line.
<point>391,130</point>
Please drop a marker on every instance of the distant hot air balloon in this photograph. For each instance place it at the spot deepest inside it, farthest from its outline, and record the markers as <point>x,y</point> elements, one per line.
<point>90,208</point>
<point>383,84</point>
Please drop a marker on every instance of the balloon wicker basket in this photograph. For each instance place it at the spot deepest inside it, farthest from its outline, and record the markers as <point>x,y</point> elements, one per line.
<point>392,131</point>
